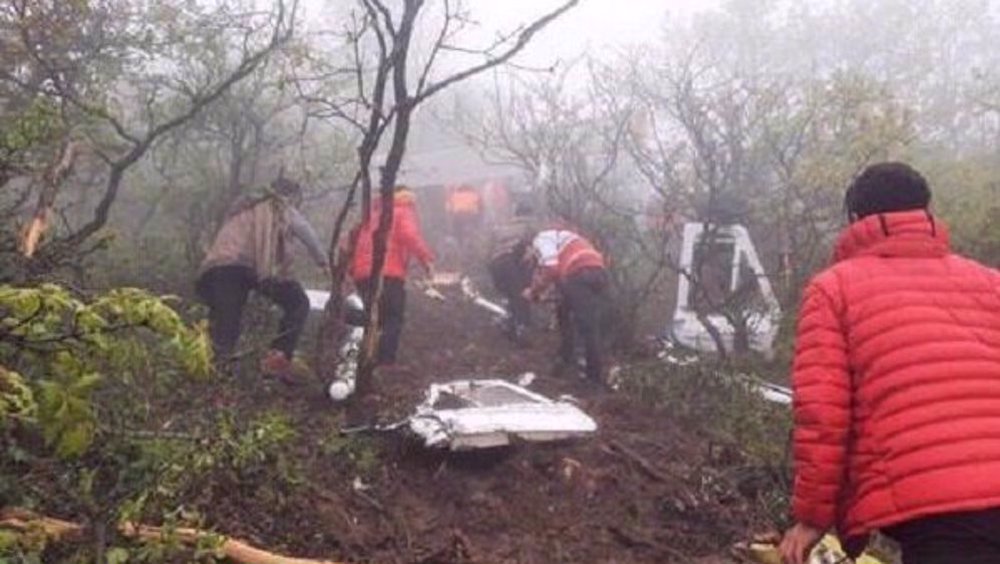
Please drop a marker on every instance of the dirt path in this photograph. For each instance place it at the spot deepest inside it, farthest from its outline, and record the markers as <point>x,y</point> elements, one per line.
<point>636,493</point>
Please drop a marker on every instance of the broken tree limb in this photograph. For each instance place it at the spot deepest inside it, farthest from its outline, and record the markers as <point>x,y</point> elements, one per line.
<point>615,447</point>
<point>634,539</point>
<point>235,550</point>
<point>53,179</point>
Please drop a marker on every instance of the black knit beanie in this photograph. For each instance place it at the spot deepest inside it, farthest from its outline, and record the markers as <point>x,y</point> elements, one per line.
<point>286,186</point>
<point>887,187</point>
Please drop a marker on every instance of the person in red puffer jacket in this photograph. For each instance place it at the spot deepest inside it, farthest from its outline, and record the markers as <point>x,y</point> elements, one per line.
<point>897,385</point>
<point>405,241</point>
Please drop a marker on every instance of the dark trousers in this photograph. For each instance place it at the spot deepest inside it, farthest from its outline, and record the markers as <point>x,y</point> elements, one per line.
<point>583,309</point>
<point>225,290</point>
<point>970,538</point>
<point>391,309</point>
<point>510,278</point>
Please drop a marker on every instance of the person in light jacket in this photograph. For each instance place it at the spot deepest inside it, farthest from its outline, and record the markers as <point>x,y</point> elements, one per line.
<point>251,253</point>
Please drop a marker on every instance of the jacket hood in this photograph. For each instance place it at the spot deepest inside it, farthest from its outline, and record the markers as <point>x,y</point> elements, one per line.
<point>912,234</point>
<point>400,199</point>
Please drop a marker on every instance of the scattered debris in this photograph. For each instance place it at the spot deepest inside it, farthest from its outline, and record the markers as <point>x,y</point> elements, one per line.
<point>770,391</point>
<point>317,299</point>
<point>526,379</point>
<point>615,377</point>
<point>350,348</point>
<point>347,370</point>
<point>447,278</point>
<point>474,414</point>
<point>375,428</point>
<point>828,551</point>
<point>672,355</point>
<point>744,272</point>
<point>473,295</point>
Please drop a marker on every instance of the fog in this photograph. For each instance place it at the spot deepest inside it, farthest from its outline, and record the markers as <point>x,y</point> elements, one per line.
<point>657,180</point>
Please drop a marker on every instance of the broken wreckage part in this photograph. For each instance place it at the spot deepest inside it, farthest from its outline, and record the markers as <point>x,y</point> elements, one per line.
<point>478,414</point>
<point>350,347</point>
<point>474,414</point>
<point>769,391</point>
<point>744,271</point>
<point>344,382</point>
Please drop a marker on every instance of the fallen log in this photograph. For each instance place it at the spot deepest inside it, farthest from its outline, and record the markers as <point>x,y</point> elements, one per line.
<point>233,549</point>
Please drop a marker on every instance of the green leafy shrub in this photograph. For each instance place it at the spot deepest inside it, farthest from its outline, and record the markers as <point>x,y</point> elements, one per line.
<point>747,437</point>
<point>60,350</point>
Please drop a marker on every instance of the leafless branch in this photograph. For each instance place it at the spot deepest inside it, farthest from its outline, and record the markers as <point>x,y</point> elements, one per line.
<point>523,38</point>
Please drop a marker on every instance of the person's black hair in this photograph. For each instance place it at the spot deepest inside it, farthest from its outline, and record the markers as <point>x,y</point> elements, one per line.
<point>887,187</point>
<point>286,186</point>
<point>523,209</point>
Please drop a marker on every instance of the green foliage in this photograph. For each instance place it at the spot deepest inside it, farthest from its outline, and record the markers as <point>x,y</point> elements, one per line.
<point>747,436</point>
<point>23,131</point>
<point>16,398</point>
<point>67,349</point>
<point>363,453</point>
<point>721,403</point>
<point>967,196</point>
<point>168,548</point>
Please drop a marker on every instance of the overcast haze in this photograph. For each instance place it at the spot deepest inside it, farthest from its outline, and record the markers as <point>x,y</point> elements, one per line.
<point>592,24</point>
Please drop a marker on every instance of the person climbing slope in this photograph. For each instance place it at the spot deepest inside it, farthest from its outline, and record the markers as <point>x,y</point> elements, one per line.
<point>251,253</point>
<point>511,274</point>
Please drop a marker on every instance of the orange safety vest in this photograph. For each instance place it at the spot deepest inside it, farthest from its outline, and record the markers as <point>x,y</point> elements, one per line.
<point>464,201</point>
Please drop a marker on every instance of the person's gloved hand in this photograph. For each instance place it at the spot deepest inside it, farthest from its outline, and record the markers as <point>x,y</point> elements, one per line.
<point>798,543</point>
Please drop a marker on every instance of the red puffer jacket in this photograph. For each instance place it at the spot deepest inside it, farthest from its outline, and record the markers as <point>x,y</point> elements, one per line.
<point>896,380</point>
<point>405,240</point>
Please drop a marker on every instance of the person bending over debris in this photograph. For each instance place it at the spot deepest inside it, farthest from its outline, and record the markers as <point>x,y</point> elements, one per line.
<point>250,252</point>
<point>897,385</point>
<point>577,269</point>
<point>404,240</point>
<point>510,273</point>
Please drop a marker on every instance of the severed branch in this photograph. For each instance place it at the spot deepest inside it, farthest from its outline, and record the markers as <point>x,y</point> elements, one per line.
<point>53,178</point>
<point>22,520</point>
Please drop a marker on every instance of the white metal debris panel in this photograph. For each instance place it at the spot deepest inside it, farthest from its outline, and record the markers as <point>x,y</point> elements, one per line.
<point>317,299</point>
<point>473,414</point>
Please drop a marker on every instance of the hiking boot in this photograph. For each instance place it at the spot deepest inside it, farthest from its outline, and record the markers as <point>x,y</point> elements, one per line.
<point>276,365</point>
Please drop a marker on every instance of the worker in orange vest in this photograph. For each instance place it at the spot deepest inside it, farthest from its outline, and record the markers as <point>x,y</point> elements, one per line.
<point>570,262</point>
<point>465,210</point>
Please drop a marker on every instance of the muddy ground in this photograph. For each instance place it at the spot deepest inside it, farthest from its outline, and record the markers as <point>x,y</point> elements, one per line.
<point>642,490</point>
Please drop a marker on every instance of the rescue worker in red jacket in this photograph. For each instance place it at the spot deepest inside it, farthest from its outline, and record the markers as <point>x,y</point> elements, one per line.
<point>405,240</point>
<point>897,385</point>
<point>570,262</point>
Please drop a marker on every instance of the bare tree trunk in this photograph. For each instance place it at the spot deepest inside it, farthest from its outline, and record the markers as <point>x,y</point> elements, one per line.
<point>404,109</point>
